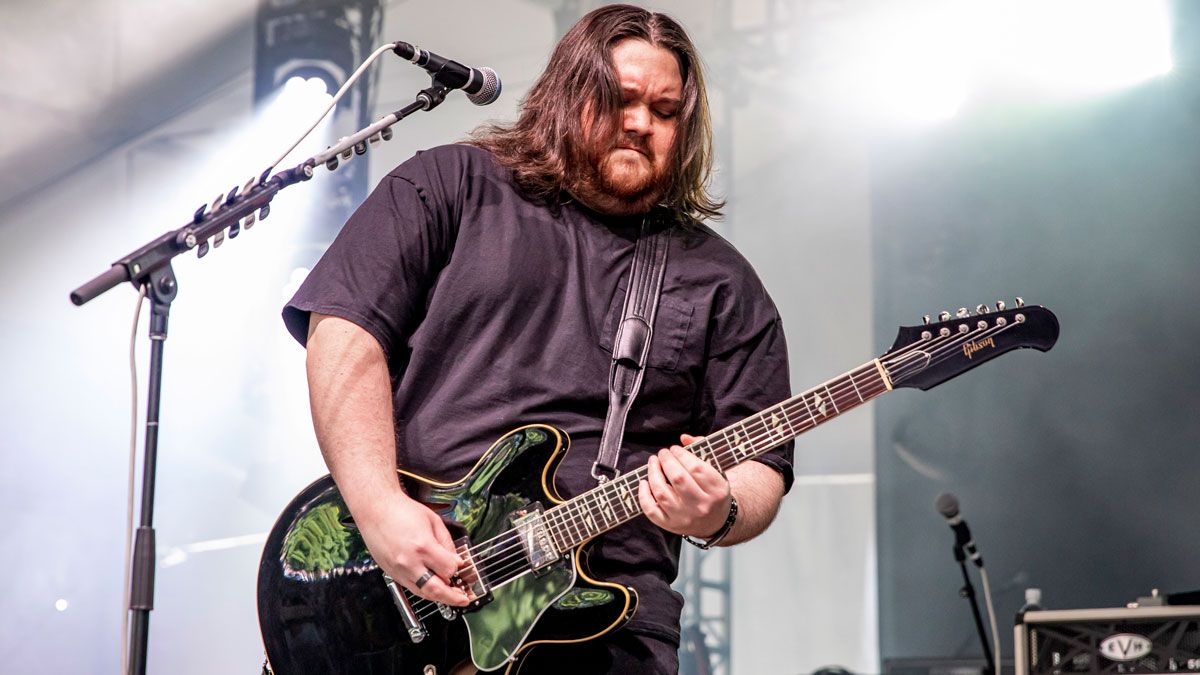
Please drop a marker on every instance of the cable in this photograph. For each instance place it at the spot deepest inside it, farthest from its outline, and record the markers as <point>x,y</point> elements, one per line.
<point>133,429</point>
<point>987,597</point>
<point>340,93</point>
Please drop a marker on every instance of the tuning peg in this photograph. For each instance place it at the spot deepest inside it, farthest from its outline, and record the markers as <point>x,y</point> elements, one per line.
<point>981,309</point>
<point>1000,305</point>
<point>1020,301</point>
<point>218,239</point>
<point>943,316</point>
<point>235,229</point>
<point>925,319</point>
<point>360,148</point>
<point>202,250</point>
<point>248,222</point>
<point>963,313</point>
<point>264,212</point>
<point>386,134</point>
<point>331,163</point>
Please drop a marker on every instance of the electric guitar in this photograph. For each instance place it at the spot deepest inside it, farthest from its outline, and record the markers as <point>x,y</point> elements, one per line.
<point>324,606</point>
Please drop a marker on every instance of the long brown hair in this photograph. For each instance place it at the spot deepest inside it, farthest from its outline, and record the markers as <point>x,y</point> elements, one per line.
<point>545,148</point>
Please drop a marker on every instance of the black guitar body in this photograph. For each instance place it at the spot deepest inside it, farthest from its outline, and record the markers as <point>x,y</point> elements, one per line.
<point>325,607</point>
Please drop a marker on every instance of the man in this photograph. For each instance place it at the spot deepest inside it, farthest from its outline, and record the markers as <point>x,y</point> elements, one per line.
<point>478,288</point>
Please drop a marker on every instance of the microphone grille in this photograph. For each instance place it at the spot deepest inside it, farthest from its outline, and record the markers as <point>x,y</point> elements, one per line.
<point>490,90</point>
<point>947,504</point>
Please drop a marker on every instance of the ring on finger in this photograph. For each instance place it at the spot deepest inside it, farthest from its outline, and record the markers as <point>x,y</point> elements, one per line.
<point>424,578</point>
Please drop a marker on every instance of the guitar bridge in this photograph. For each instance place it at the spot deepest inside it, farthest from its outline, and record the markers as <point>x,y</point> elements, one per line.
<point>535,539</point>
<point>469,579</point>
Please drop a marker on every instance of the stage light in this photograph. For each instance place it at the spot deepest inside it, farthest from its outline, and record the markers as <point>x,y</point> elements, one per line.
<point>61,604</point>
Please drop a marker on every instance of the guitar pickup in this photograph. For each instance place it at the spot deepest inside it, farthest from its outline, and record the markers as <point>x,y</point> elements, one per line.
<point>536,543</point>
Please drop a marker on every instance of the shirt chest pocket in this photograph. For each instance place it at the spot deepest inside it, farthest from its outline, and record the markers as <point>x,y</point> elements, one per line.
<point>672,328</point>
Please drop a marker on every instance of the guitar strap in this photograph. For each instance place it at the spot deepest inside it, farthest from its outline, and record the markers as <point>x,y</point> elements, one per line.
<point>631,345</point>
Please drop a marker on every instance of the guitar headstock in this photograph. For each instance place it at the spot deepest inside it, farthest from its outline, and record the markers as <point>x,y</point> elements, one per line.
<point>926,356</point>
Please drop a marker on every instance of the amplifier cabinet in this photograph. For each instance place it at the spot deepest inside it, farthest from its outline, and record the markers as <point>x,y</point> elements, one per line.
<point>1119,640</point>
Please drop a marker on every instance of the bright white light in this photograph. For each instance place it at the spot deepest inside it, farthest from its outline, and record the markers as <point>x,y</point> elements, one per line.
<point>174,556</point>
<point>312,87</point>
<point>913,63</point>
<point>61,605</point>
<point>1074,47</point>
<point>921,61</point>
<point>292,285</point>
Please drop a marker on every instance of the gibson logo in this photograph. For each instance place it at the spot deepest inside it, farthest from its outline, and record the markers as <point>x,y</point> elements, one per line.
<point>972,347</point>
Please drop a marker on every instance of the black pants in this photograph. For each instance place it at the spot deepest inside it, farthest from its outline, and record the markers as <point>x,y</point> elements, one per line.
<point>625,651</point>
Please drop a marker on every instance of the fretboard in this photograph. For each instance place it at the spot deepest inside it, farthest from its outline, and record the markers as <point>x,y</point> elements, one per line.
<point>615,502</point>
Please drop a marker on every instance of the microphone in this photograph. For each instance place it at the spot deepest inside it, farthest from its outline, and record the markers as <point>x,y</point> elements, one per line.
<point>947,505</point>
<point>481,85</point>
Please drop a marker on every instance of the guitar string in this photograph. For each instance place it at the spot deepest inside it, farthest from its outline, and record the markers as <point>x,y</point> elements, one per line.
<point>577,523</point>
<point>937,354</point>
<point>611,518</point>
<point>939,349</point>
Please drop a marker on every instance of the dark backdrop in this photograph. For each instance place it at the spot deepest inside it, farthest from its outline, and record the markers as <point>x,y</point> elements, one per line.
<point>1077,469</point>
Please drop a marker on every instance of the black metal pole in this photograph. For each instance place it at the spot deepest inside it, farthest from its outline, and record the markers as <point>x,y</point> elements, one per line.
<point>162,290</point>
<point>968,591</point>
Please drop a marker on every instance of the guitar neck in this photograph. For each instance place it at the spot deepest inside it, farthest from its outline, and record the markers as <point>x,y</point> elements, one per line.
<point>615,502</point>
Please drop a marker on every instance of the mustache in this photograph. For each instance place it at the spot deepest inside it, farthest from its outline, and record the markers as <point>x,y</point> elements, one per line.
<point>632,142</point>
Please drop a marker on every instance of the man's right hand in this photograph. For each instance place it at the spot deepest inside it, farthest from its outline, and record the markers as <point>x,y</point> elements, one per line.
<point>407,539</point>
<point>350,389</point>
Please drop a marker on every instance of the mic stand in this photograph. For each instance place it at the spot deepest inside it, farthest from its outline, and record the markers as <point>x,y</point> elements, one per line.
<point>150,266</point>
<point>968,592</point>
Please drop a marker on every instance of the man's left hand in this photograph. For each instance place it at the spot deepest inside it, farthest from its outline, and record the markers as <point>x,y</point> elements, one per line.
<point>684,494</point>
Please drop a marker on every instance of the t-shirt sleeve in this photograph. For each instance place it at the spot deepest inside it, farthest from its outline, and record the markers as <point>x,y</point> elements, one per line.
<point>379,270</point>
<point>747,370</point>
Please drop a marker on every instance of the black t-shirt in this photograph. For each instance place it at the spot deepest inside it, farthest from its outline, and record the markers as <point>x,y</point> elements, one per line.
<point>495,311</point>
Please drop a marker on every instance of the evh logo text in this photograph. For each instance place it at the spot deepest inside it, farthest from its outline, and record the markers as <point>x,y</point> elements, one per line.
<point>972,347</point>
<point>1124,647</point>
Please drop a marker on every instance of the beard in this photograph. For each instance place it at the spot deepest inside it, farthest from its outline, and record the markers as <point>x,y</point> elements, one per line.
<point>620,181</point>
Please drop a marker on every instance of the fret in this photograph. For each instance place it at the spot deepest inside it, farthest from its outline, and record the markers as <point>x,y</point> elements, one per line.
<point>856,391</point>
<point>562,526</point>
<point>736,444</point>
<point>745,449</point>
<point>775,428</point>
<point>589,513</point>
<point>572,519</point>
<point>606,509</point>
<point>808,407</point>
<point>627,500</point>
<point>613,503</point>
<point>558,525</point>
<point>603,512</point>
<point>832,401</point>
<point>715,452</point>
<point>788,419</point>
